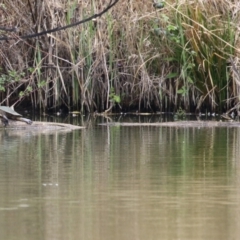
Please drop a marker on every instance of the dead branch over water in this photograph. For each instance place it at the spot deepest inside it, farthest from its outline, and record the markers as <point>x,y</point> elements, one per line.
<point>137,55</point>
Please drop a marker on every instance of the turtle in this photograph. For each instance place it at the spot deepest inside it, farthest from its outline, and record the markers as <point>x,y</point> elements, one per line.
<point>9,113</point>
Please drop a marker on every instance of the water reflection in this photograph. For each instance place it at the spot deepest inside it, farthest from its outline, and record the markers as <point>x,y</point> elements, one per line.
<point>120,183</point>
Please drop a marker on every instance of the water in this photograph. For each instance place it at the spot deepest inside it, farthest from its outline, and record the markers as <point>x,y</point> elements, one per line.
<point>120,183</point>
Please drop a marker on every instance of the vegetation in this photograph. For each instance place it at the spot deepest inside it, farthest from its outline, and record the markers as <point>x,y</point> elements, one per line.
<point>138,55</point>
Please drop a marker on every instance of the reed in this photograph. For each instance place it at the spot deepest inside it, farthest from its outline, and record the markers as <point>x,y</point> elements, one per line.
<point>136,56</point>
<point>201,46</point>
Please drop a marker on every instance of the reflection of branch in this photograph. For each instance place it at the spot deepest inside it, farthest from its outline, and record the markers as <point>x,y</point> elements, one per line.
<point>110,5</point>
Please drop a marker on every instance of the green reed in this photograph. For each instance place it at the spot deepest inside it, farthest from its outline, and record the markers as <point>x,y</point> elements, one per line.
<point>202,49</point>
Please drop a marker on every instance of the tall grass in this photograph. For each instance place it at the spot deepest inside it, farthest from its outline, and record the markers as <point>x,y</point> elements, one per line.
<point>204,45</point>
<point>136,56</point>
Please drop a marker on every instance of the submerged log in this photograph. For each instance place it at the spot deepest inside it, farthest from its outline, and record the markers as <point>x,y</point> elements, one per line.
<point>40,126</point>
<point>178,124</point>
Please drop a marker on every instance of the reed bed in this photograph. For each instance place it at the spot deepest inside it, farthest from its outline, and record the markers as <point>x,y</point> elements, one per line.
<point>139,55</point>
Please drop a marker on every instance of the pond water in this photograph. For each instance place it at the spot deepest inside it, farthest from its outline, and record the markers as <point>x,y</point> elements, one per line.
<point>106,183</point>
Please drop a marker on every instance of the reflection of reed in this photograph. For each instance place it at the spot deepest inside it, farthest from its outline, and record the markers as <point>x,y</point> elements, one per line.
<point>118,182</point>
<point>235,153</point>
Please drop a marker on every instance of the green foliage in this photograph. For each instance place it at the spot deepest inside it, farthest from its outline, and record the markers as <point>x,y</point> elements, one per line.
<point>180,114</point>
<point>42,84</point>
<point>10,77</point>
<point>27,91</point>
<point>2,83</point>
<point>113,97</point>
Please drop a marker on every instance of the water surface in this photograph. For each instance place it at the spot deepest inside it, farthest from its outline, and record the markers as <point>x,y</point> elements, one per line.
<point>120,183</point>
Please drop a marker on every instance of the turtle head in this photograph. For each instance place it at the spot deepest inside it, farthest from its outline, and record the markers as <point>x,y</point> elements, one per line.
<point>29,121</point>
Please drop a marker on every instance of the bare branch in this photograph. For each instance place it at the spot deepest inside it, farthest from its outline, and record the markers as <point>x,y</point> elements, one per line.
<point>110,5</point>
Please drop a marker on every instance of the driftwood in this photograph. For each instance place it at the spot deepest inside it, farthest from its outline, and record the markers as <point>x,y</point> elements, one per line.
<point>198,124</point>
